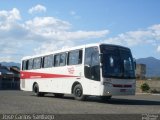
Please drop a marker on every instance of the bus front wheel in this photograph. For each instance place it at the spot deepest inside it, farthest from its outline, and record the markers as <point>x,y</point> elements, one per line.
<point>36,90</point>
<point>78,93</point>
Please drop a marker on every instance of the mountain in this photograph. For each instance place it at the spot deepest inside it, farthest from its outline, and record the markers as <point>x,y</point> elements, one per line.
<point>10,64</point>
<point>152,66</point>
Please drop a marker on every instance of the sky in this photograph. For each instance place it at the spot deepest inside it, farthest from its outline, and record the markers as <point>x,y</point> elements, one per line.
<point>29,27</point>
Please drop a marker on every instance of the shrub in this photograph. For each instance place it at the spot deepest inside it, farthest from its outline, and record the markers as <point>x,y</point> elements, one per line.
<point>145,87</point>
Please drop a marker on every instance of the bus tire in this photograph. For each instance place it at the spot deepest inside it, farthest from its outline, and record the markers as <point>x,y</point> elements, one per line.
<point>58,95</point>
<point>36,90</point>
<point>78,93</point>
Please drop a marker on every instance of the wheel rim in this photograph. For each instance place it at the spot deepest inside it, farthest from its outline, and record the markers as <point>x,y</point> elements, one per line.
<point>78,92</point>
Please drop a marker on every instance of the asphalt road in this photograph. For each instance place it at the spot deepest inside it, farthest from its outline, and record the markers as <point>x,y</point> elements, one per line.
<point>20,102</point>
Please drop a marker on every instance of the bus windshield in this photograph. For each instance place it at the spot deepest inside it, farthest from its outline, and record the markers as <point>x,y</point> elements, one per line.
<point>117,62</point>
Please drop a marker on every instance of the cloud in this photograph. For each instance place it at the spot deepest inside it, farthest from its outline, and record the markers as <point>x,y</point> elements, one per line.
<point>132,38</point>
<point>9,16</point>
<point>150,35</point>
<point>65,39</point>
<point>47,24</point>
<point>37,9</point>
<point>40,34</point>
<point>45,34</point>
<point>158,49</point>
<point>155,30</point>
<point>51,46</point>
<point>51,29</point>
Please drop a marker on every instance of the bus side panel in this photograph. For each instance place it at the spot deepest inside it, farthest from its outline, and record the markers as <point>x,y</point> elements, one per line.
<point>74,73</point>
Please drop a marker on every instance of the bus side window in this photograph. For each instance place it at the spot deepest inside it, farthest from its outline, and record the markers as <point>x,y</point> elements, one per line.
<point>30,64</point>
<point>75,57</point>
<point>92,64</point>
<point>37,63</point>
<point>62,59</point>
<point>56,60</point>
<point>48,61</point>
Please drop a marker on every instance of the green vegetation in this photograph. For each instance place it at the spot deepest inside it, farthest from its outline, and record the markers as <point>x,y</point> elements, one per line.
<point>145,87</point>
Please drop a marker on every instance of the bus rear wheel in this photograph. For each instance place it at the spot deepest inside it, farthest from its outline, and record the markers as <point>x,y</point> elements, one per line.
<point>36,91</point>
<point>78,93</point>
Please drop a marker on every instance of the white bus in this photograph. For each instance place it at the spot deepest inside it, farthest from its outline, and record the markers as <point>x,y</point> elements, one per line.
<point>89,70</point>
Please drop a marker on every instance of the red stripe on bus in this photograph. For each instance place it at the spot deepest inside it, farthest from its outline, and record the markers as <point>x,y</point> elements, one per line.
<point>36,75</point>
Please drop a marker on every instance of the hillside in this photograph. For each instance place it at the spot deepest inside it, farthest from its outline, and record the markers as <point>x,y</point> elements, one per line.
<point>10,64</point>
<point>152,66</point>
